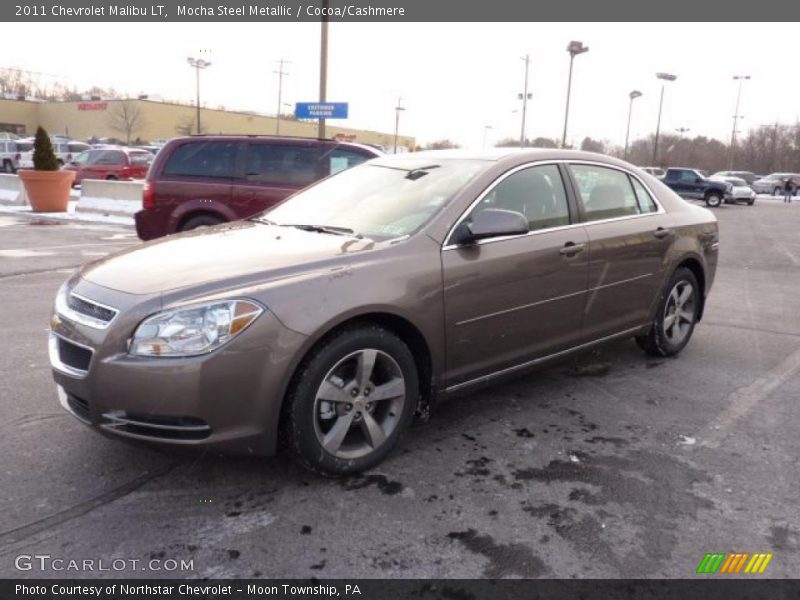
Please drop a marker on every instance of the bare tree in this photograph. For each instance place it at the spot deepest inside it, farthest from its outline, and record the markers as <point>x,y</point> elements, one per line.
<point>442,145</point>
<point>126,118</point>
<point>186,125</point>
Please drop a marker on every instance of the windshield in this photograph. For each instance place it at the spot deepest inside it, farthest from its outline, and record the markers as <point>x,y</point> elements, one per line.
<point>386,199</point>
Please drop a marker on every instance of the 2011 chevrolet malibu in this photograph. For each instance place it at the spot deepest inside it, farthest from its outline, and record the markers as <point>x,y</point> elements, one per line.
<point>323,325</point>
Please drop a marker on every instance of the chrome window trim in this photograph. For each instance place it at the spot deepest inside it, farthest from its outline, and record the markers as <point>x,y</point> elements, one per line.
<point>660,209</point>
<point>55,357</point>
<point>63,309</point>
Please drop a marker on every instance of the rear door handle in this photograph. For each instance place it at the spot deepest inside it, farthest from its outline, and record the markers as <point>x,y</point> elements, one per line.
<point>662,233</point>
<point>571,249</point>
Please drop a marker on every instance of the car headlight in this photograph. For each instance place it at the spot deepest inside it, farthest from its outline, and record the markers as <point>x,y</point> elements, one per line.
<point>193,330</point>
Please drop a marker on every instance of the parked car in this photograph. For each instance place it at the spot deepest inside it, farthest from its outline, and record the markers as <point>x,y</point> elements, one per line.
<point>11,153</point>
<point>205,180</point>
<point>740,192</point>
<point>654,171</point>
<point>66,150</point>
<point>25,153</point>
<point>336,315</point>
<point>693,185</point>
<point>774,182</point>
<point>748,176</point>
<point>116,163</point>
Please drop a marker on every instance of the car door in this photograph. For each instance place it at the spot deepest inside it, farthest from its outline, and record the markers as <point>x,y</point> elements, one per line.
<point>629,239</point>
<point>509,300</point>
<point>272,172</point>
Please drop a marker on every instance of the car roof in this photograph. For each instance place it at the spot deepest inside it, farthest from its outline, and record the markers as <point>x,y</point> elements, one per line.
<point>499,154</point>
<point>280,138</point>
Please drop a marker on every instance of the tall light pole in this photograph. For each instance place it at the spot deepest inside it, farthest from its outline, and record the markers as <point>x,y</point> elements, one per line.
<point>197,64</point>
<point>682,130</point>
<point>736,117</point>
<point>280,73</point>
<point>664,77</point>
<point>524,96</point>
<point>323,64</point>
<point>397,110</point>
<point>486,129</point>
<point>574,48</point>
<point>633,95</point>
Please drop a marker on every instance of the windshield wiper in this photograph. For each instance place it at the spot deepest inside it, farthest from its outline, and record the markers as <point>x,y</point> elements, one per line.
<point>324,229</point>
<point>262,219</point>
<point>415,174</point>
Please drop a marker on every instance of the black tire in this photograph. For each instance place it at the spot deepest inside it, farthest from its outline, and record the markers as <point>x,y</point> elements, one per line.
<point>8,167</point>
<point>201,221</point>
<point>713,199</point>
<point>60,163</point>
<point>657,342</point>
<point>111,178</point>
<point>751,202</point>
<point>300,419</point>
<point>777,191</point>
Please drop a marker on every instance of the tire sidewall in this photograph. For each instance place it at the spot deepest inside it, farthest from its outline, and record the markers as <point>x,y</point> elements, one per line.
<point>200,221</point>
<point>714,200</point>
<point>662,343</point>
<point>301,400</point>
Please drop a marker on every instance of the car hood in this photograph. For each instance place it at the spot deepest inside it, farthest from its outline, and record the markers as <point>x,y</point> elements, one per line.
<point>222,253</point>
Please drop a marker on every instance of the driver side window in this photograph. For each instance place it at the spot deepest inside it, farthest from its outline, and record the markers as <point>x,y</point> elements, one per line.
<point>536,192</point>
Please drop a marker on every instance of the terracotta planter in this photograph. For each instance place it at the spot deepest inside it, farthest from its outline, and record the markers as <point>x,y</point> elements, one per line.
<point>48,191</point>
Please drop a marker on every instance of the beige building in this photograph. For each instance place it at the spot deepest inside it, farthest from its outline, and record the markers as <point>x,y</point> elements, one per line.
<point>148,120</point>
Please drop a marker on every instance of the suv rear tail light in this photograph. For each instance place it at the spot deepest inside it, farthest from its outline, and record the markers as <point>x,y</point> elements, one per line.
<point>148,197</point>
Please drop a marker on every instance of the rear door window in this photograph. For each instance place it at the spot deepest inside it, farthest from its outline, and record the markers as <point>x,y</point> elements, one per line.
<point>110,157</point>
<point>282,164</point>
<point>605,193</point>
<point>140,158</point>
<point>646,202</point>
<point>208,159</point>
<point>340,159</point>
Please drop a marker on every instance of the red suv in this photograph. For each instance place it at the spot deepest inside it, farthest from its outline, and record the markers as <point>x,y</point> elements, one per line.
<point>111,163</point>
<point>204,180</point>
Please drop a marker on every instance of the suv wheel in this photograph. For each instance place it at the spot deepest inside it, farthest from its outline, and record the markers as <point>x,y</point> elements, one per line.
<point>201,221</point>
<point>777,191</point>
<point>7,166</point>
<point>676,316</point>
<point>351,401</point>
<point>713,199</point>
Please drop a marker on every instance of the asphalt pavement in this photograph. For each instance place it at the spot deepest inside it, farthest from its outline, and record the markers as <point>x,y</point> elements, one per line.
<point>608,464</point>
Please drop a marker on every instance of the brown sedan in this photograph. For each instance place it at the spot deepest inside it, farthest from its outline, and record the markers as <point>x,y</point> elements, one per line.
<point>323,325</point>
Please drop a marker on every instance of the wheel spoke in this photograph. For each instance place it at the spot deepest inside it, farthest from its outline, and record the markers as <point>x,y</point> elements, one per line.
<point>391,389</point>
<point>334,438</point>
<point>332,393</point>
<point>686,316</point>
<point>674,296</point>
<point>685,294</point>
<point>366,362</point>
<point>372,430</point>
<point>669,321</point>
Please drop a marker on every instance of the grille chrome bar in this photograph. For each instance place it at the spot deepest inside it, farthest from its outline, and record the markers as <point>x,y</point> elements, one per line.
<point>87,312</point>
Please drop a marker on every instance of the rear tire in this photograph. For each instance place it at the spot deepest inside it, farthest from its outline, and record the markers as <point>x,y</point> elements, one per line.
<point>713,199</point>
<point>350,401</point>
<point>111,178</point>
<point>676,316</point>
<point>201,221</point>
<point>777,191</point>
<point>8,167</point>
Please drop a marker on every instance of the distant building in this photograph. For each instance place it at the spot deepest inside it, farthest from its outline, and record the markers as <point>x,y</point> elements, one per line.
<point>151,120</point>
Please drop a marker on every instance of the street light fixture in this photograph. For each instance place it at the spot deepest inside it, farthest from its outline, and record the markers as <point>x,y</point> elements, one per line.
<point>633,95</point>
<point>197,64</point>
<point>280,73</point>
<point>682,130</point>
<point>486,129</point>
<point>397,110</point>
<point>574,48</point>
<point>736,117</point>
<point>664,77</point>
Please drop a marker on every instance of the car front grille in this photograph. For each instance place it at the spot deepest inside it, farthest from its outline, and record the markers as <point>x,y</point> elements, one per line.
<point>74,356</point>
<point>157,426</point>
<point>88,308</point>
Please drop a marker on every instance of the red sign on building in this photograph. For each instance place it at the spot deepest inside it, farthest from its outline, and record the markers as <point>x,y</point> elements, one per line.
<point>92,105</point>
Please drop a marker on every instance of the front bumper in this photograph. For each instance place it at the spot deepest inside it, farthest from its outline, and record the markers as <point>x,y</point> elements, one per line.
<point>228,400</point>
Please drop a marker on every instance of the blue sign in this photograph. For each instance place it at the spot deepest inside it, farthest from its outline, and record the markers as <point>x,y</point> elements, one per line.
<point>320,110</point>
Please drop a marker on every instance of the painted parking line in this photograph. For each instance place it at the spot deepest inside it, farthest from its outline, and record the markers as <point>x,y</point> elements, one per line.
<point>745,399</point>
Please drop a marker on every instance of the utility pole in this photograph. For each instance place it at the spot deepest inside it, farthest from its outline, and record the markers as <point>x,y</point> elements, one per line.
<point>574,48</point>
<point>524,96</point>
<point>633,95</point>
<point>397,110</point>
<point>323,65</point>
<point>736,117</point>
<point>197,64</point>
<point>280,73</point>
<point>663,77</point>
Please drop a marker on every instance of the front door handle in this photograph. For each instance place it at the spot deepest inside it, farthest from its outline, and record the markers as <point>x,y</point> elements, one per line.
<point>571,249</point>
<point>662,233</point>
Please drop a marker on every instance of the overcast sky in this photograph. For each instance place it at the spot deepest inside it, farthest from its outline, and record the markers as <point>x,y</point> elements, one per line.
<point>454,78</point>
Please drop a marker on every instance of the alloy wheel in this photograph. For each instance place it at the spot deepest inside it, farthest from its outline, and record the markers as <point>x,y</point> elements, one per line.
<point>679,312</point>
<point>359,403</point>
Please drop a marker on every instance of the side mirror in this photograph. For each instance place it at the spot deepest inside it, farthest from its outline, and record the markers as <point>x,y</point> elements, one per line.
<point>492,222</point>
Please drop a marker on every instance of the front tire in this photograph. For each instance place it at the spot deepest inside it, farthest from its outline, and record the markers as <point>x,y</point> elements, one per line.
<point>713,199</point>
<point>200,221</point>
<point>350,401</point>
<point>777,191</point>
<point>676,316</point>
